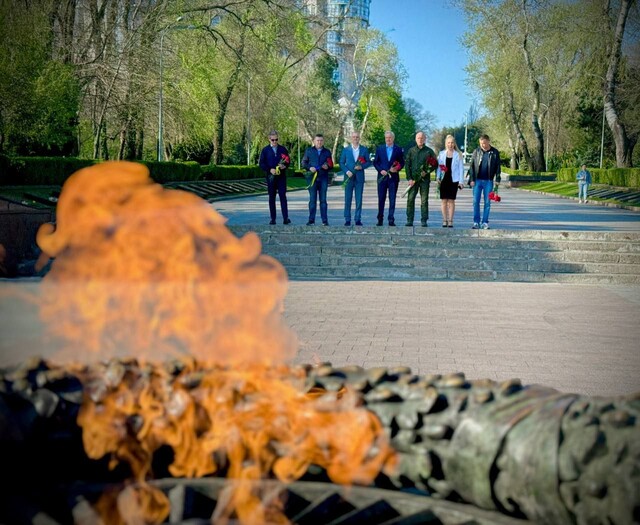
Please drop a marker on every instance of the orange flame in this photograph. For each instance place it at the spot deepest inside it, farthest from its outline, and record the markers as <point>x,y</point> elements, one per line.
<point>153,273</point>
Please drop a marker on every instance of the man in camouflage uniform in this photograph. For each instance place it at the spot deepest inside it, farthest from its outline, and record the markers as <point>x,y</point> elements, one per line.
<point>419,179</point>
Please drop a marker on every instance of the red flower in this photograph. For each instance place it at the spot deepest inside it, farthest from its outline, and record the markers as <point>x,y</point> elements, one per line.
<point>329,162</point>
<point>395,166</point>
<point>285,159</point>
<point>443,168</point>
<point>432,161</point>
<point>362,160</point>
<point>493,196</point>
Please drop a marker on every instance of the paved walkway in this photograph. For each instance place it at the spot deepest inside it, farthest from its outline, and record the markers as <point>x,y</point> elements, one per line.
<point>518,210</point>
<point>577,338</point>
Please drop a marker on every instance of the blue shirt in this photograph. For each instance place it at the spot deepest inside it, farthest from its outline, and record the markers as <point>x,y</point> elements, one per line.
<point>389,152</point>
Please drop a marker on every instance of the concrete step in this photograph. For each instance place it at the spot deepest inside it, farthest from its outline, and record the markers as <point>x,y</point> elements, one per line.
<point>405,253</point>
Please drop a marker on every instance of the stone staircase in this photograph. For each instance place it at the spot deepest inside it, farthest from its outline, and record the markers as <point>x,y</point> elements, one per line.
<point>404,253</point>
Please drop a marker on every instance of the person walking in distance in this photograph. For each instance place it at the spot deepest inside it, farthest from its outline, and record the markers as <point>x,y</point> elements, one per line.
<point>353,161</point>
<point>484,169</point>
<point>419,178</point>
<point>450,178</point>
<point>274,161</point>
<point>584,180</point>
<point>317,160</point>
<point>388,163</point>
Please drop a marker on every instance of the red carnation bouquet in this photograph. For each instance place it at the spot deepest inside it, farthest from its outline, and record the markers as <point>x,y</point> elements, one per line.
<point>493,196</point>
<point>326,166</point>
<point>395,167</point>
<point>283,163</point>
<point>429,165</point>
<point>361,162</point>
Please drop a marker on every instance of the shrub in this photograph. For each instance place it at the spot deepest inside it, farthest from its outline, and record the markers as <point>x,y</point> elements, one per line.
<point>218,172</point>
<point>41,171</point>
<point>163,172</point>
<point>53,171</point>
<point>623,177</point>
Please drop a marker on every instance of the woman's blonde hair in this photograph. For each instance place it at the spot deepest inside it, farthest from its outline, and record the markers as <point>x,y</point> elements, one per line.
<point>455,144</point>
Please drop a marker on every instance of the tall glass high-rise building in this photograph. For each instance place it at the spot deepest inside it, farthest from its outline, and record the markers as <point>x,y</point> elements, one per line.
<point>345,15</point>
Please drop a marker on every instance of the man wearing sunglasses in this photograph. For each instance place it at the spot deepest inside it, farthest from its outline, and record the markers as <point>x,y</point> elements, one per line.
<point>274,161</point>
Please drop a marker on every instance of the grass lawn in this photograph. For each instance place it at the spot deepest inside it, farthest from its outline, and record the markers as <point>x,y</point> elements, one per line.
<point>570,189</point>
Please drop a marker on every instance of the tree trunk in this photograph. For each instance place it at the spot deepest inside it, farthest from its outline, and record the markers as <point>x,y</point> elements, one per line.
<point>366,116</point>
<point>539,163</point>
<point>513,161</point>
<point>522,141</point>
<point>223,103</point>
<point>624,146</point>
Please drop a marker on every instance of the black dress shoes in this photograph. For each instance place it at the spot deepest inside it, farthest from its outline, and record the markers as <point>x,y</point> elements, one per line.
<point>286,221</point>
<point>310,223</point>
<point>272,221</point>
<point>347,223</point>
<point>379,223</point>
<point>358,223</point>
<point>392,223</point>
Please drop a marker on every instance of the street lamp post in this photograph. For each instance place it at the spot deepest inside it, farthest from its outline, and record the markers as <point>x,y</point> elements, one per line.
<point>466,123</point>
<point>160,146</point>
<point>248,121</point>
<point>602,136</point>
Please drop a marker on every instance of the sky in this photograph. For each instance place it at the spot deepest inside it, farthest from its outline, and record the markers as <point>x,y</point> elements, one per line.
<point>428,36</point>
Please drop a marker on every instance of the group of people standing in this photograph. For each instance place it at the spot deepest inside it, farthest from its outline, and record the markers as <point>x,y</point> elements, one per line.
<point>419,163</point>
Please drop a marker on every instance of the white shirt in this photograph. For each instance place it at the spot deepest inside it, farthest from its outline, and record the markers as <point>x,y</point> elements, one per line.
<point>356,153</point>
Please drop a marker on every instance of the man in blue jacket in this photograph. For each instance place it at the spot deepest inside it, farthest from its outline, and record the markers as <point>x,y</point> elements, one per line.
<point>274,161</point>
<point>317,160</point>
<point>388,163</point>
<point>353,161</point>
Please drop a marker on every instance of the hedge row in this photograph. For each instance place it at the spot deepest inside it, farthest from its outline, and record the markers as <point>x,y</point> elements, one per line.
<point>525,173</point>
<point>623,177</point>
<point>53,171</point>
<point>214,172</point>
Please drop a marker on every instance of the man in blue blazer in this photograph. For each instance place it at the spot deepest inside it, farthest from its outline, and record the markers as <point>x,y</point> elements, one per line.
<point>388,163</point>
<point>353,161</point>
<point>274,161</point>
<point>317,160</point>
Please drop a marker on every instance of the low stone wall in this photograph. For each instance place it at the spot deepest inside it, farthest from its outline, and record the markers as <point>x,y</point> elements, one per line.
<point>18,227</point>
<point>515,181</point>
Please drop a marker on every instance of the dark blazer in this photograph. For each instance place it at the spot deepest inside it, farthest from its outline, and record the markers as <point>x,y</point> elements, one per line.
<point>382,163</point>
<point>494,164</point>
<point>311,159</point>
<point>269,160</point>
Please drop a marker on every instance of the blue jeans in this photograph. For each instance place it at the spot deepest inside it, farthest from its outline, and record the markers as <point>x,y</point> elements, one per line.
<point>583,188</point>
<point>482,186</point>
<point>356,184</point>
<point>319,189</point>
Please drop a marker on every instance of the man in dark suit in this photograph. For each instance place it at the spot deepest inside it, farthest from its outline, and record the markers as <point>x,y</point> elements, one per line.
<point>274,161</point>
<point>388,163</point>
<point>317,160</point>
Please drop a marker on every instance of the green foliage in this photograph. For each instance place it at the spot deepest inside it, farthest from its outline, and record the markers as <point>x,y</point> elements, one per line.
<point>40,171</point>
<point>217,172</point>
<point>53,171</point>
<point>39,95</point>
<point>325,76</point>
<point>163,172</point>
<point>623,177</point>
